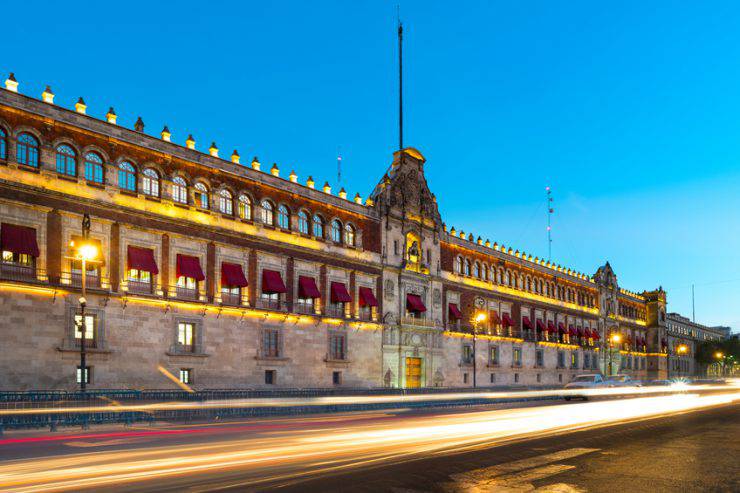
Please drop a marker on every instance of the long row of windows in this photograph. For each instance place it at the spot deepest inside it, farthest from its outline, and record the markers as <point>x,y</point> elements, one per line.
<point>506,277</point>
<point>148,182</point>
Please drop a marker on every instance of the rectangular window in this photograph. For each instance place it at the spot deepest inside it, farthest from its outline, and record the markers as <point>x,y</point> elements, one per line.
<point>336,377</point>
<point>270,343</point>
<point>186,336</point>
<point>539,378</point>
<point>539,358</point>
<point>516,378</point>
<point>561,359</point>
<point>88,374</point>
<point>493,356</point>
<point>139,281</point>
<point>574,359</point>
<point>465,378</point>
<point>337,346</point>
<point>493,378</point>
<point>586,360</point>
<point>231,295</point>
<point>517,357</point>
<point>467,354</point>
<point>186,375</point>
<point>270,376</point>
<point>560,377</point>
<point>187,287</point>
<point>89,329</point>
<point>395,247</point>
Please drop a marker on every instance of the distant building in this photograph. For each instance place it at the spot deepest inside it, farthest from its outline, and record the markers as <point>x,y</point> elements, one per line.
<point>684,337</point>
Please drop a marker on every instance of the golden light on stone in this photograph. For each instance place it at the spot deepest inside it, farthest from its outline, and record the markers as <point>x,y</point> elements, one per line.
<point>48,96</point>
<point>111,116</point>
<point>358,199</point>
<point>235,157</point>
<point>479,240</point>
<point>10,83</point>
<point>369,202</point>
<point>310,183</point>
<point>275,171</point>
<point>190,142</point>
<point>293,177</point>
<point>166,135</point>
<point>452,231</point>
<point>488,243</point>
<point>213,150</point>
<point>327,187</point>
<point>80,106</point>
<point>342,193</point>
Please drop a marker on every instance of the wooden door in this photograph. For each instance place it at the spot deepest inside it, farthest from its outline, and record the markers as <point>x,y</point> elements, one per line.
<point>413,373</point>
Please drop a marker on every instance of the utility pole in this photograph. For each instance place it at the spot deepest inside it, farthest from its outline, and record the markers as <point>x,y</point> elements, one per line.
<point>339,166</point>
<point>693,307</point>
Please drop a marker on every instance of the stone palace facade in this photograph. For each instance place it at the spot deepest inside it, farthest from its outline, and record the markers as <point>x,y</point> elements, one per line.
<point>229,274</point>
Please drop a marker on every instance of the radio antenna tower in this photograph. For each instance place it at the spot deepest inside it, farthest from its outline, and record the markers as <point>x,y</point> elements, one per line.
<point>339,165</point>
<point>550,210</point>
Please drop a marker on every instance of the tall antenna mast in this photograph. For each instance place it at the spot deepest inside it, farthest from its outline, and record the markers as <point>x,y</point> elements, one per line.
<point>400,79</point>
<point>550,210</point>
<point>339,165</point>
<point>693,306</point>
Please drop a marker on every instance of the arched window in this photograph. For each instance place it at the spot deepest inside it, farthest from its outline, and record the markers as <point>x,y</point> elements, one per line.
<point>318,226</point>
<point>467,267</point>
<point>484,273</point>
<point>349,235</point>
<point>150,182</point>
<point>476,270</point>
<point>459,265</point>
<point>283,217</point>
<point>529,284</point>
<point>127,176</point>
<point>494,275</point>
<point>336,231</point>
<point>245,207</point>
<point>27,150</point>
<point>179,190</point>
<point>66,160</point>
<point>201,196</point>
<point>303,222</point>
<point>508,278</point>
<point>268,213</point>
<point>93,167</point>
<point>3,144</point>
<point>225,202</point>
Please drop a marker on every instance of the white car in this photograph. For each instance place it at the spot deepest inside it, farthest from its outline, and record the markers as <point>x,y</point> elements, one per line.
<point>586,382</point>
<point>622,381</point>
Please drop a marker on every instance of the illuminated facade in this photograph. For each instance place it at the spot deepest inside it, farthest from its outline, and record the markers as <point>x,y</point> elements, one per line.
<point>683,337</point>
<point>223,274</point>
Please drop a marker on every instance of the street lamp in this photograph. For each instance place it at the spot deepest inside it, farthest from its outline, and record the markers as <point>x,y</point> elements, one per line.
<point>681,349</point>
<point>85,251</point>
<point>719,355</point>
<point>615,338</point>
<point>479,318</point>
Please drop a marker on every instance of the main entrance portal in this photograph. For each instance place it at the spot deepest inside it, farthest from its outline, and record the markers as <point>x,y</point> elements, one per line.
<point>413,373</point>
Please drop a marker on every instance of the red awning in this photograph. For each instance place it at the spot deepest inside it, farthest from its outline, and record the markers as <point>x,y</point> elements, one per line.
<point>527,323</point>
<point>551,326</point>
<point>540,326</point>
<point>339,293</point>
<point>142,259</point>
<point>454,312</point>
<point>18,239</point>
<point>232,275</point>
<point>188,266</point>
<point>272,282</point>
<point>587,333</point>
<point>580,331</point>
<point>595,334</point>
<point>495,317</point>
<point>572,331</point>
<point>307,288</point>
<point>415,303</point>
<point>367,297</point>
<point>561,328</point>
<point>507,321</point>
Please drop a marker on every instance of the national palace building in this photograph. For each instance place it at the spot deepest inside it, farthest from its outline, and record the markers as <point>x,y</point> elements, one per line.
<point>227,273</point>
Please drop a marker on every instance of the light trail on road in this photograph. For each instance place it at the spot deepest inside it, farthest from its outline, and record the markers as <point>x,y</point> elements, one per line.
<point>311,446</point>
<point>364,399</point>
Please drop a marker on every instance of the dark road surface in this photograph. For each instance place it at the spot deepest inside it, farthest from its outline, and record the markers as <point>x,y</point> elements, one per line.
<point>697,451</point>
<point>631,445</point>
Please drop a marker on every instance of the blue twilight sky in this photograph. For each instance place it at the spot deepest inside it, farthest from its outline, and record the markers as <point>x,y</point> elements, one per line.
<point>629,110</point>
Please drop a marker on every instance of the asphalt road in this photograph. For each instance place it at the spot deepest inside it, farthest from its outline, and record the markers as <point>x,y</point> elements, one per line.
<point>692,452</point>
<point>637,444</point>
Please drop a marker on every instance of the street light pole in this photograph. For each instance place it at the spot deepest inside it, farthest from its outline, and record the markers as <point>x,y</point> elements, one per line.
<point>479,317</point>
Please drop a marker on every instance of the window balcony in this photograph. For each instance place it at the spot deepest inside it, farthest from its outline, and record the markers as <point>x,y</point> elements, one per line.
<point>335,311</point>
<point>270,304</point>
<point>366,315</point>
<point>20,272</point>
<point>418,322</point>
<point>304,308</point>
<point>184,293</point>
<point>140,287</point>
<point>92,280</point>
<point>231,299</point>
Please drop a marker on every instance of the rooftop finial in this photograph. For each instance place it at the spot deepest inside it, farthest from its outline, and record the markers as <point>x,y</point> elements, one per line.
<point>80,106</point>
<point>10,83</point>
<point>166,135</point>
<point>275,171</point>
<point>139,125</point>
<point>190,142</point>
<point>111,116</point>
<point>256,163</point>
<point>213,150</point>
<point>48,95</point>
<point>235,157</point>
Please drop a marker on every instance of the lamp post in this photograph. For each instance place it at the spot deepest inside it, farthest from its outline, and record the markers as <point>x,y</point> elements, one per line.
<point>85,252</point>
<point>615,338</point>
<point>681,349</point>
<point>479,317</point>
<point>719,355</point>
